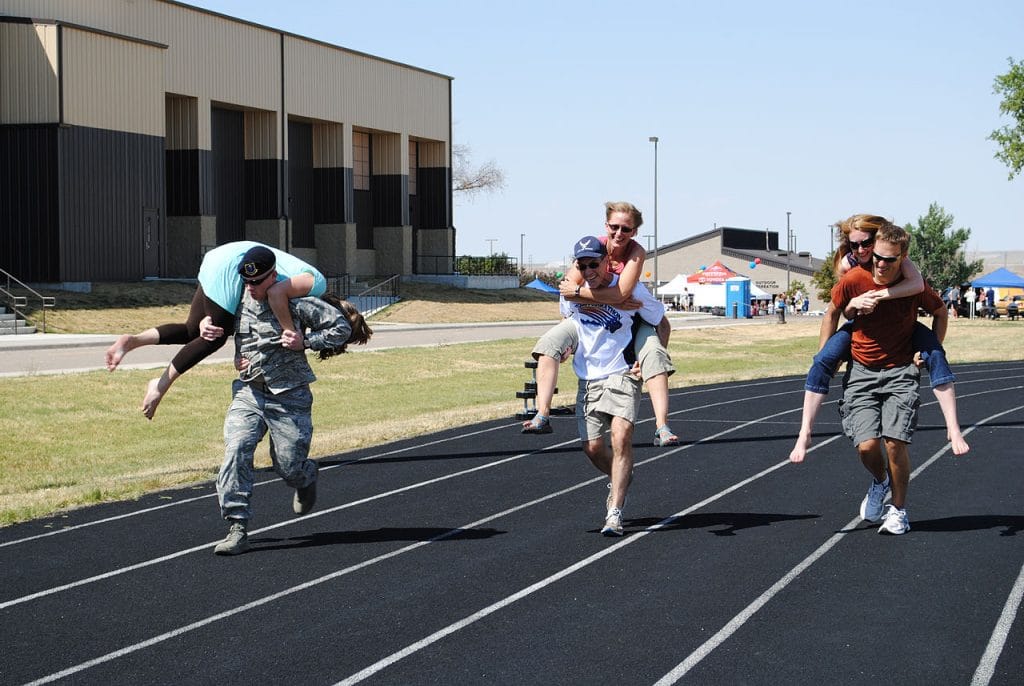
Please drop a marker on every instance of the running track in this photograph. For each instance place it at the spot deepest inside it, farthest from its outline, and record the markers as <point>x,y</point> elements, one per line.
<point>473,556</point>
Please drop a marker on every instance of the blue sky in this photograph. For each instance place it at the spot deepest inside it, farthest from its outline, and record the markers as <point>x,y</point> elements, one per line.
<point>822,109</point>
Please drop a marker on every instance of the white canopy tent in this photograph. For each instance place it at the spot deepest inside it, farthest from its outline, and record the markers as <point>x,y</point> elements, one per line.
<point>677,286</point>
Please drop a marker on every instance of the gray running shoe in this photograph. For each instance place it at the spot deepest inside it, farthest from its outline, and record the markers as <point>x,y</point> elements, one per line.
<point>237,541</point>
<point>304,499</point>
<point>894,521</point>
<point>873,504</point>
<point>613,523</point>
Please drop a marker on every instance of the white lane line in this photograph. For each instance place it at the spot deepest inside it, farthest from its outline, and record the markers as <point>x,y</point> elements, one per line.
<point>343,463</point>
<point>482,613</point>
<point>987,667</point>
<point>321,513</point>
<point>134,513</point>
<point>366,563</point>
<point>271,480</point>
<point>723,634</point>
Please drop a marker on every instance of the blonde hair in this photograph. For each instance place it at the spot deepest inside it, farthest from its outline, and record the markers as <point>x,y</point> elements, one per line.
<point>626,208</point>
<point>868,223</point>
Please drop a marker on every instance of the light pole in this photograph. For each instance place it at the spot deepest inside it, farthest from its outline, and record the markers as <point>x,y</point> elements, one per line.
<point>490,244</point>
<point>789,242</point>
<point>654,139</point>
<point>522,267</point>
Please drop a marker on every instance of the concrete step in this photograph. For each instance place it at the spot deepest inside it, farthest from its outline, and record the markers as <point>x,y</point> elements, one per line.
<point>11,327</point>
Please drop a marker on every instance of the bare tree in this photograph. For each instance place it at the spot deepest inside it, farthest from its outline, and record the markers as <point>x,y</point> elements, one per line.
<point>468,180</point>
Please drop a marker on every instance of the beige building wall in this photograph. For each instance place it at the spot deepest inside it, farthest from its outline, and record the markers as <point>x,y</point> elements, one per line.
<point>29,92</point>
<point>112,83</point>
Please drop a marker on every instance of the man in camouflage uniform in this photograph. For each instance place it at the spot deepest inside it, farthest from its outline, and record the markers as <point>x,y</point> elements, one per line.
<point>272,393</point>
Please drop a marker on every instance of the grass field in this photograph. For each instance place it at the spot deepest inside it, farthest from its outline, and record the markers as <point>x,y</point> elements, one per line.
<point>77,439</point>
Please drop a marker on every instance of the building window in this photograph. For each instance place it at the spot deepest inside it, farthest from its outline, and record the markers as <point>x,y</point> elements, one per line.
<point>413,166</point>
<point>360,161</point>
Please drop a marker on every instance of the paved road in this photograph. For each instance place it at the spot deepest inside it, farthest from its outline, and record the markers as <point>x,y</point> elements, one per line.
<point>61,353</point>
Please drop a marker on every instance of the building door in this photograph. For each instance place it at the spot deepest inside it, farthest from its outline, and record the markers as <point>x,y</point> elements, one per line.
<point>150,241</point>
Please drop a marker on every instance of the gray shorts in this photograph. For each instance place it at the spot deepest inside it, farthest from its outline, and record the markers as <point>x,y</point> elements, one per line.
<point>598,401</point>
<point>562,339</point>
<point>880,402</point>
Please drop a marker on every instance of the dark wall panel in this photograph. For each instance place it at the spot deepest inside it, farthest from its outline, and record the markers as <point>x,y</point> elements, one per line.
<point>108,179</point>
<point>228,162</point>
<point>333,201</point>
<point>434,209</point>
<point>390,199</point>
<point>300,183</point>
<point>29,203</point>
<point>364,220</point>
<point>262,195</point>
<point>182,183</point>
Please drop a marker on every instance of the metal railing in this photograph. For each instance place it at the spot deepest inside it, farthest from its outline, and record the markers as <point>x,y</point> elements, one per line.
<point>366,298</point>
<point>18,301</point>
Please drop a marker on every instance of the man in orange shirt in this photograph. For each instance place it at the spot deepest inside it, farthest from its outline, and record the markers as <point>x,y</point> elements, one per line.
<point>881,389</point>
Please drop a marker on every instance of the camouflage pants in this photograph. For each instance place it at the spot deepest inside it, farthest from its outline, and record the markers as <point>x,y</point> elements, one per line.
<point>252,413</point>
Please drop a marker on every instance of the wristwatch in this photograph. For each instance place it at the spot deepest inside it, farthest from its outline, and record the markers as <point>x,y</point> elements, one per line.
<point>577,291</point>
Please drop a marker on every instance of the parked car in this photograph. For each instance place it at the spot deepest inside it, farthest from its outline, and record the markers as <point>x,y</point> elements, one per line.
<point>1010,307</point>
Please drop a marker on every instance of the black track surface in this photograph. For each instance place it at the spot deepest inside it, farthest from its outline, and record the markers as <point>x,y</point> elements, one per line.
<point>473,556</point>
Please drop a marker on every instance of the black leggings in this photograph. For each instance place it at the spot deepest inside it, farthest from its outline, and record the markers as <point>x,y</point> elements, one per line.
<point>196,348</point>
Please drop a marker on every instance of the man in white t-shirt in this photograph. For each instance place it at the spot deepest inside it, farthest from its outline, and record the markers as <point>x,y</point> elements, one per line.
<point>608,397</point>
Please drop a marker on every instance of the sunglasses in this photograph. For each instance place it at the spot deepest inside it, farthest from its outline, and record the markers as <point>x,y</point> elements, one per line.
<point>883,258</point>
<point>257,282</point>
<point>857,245</point>
<point>620,228</point>
<point>588,265</point>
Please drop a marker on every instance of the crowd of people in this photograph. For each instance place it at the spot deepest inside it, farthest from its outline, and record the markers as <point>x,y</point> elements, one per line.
<point>276,309</point>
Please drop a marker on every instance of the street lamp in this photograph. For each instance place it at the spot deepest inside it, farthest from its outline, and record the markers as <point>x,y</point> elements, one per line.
<point>490,244</point>
<point>789,242</point>
<point>522,267</point>
<point>654,139</point>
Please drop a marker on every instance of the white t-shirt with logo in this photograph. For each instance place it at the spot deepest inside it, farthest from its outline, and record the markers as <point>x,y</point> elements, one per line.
<point>606,331</point>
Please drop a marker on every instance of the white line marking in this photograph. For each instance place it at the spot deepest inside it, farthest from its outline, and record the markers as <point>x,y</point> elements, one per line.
<point>320,513</point>
<point>739,620</point>
<point>275,479</point>
<point>987,666</point>
<point>361,565</point>
<point>409,650</point>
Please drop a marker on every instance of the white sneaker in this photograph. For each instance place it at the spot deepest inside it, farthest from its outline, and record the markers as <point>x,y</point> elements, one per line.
<point>873,504</point>
<point>613,523</point>
<point>894,521</point>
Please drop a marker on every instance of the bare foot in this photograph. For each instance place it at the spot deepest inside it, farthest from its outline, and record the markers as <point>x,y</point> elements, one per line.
<point>152,399</point>
<point>117,351</point>
<point>960,446</point>
<point>800,449</point>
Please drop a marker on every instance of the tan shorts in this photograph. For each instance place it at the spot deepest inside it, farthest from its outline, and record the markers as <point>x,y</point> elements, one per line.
<point>561,340</point>
<point>598,401</point>
<point>558,341</point>
<point>654,358</point>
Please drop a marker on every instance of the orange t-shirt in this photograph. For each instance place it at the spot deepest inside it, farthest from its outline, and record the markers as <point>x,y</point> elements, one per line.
<point>883,338</point>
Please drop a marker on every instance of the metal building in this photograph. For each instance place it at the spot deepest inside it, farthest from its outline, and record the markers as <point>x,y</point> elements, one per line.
<point>136,134</point>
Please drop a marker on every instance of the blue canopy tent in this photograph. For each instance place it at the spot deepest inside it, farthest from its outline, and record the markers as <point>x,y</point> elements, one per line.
<point>541,286</point>
<point>1000,278</point>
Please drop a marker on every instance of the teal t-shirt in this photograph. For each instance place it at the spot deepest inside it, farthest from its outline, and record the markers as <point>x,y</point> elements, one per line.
<point>221,282</point>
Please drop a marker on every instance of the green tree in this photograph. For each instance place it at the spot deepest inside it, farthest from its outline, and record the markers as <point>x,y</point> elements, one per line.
<point>1011,138</point>
<point>825,278</point>
<point>937,249</point>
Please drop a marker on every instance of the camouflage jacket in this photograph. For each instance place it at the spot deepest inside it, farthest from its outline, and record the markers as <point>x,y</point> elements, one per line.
<point>258,339</point>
